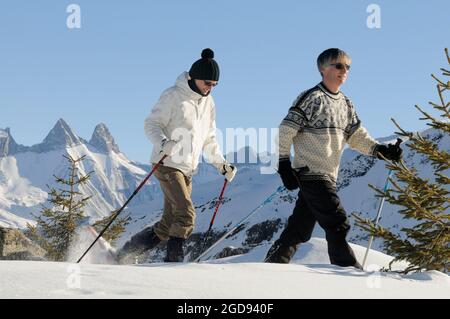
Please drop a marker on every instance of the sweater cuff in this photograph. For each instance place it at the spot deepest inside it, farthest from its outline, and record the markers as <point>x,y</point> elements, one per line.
<point>375,150</point>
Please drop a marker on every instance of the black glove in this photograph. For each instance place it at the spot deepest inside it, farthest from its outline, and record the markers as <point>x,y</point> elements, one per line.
<point>391,152</point>
<point>287,174</point>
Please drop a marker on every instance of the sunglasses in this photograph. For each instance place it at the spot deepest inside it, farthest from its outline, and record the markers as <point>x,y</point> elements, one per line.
<point>210,83</point>
<point>341,66</point>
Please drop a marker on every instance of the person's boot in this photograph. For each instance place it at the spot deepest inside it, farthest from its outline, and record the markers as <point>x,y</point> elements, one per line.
<point>342,255</point>
<point>138,244</point>
<point>175,250</point>
<point>280,253</point>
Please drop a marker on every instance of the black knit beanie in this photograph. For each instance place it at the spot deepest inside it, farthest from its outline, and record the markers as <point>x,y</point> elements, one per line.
<point>206,68</point>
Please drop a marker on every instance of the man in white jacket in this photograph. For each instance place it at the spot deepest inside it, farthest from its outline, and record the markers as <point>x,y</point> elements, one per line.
<point>182,126</point>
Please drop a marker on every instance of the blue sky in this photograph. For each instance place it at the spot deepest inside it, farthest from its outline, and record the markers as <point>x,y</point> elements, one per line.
<point>113,68</point>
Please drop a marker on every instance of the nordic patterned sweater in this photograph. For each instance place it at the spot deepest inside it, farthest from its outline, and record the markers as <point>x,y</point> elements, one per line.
<point>319,124</point>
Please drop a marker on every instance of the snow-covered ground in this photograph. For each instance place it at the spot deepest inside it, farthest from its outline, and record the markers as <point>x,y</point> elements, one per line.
<point>244,276</point>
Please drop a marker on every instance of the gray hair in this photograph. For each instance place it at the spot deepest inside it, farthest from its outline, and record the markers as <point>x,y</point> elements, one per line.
<point>328,56</point>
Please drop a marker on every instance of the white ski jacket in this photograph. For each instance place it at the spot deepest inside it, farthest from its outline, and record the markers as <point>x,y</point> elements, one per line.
<point>186,116</point>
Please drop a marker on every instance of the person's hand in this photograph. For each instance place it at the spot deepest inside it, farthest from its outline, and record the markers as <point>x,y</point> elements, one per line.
<point>170,147</point>
<point>391,152</point>
<point>287,174</point>
<point>229,171</point>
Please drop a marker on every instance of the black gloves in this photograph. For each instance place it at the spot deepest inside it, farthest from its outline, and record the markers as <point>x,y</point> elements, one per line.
<point>391,152</point>
<point>287,174</point>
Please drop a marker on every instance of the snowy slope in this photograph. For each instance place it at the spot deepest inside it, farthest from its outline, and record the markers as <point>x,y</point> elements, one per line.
<point>236,277</point>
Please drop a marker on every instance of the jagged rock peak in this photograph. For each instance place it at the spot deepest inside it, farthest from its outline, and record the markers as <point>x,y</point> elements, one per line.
<point>61,135</point>
<point>7,144</point>
<point>103,140</point>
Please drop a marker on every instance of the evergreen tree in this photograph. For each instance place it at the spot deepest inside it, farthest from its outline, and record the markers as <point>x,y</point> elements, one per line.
<point>426,245</point>
<point>57,224</point>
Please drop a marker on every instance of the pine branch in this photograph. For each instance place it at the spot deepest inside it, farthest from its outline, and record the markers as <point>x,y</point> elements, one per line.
<point>438,80</point>
<point>407,135</point>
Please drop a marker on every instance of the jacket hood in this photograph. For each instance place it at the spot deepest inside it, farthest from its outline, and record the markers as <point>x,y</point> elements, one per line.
<point>182,84</point>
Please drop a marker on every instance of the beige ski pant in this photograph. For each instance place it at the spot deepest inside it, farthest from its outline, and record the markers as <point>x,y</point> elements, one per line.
<point>179,213</point>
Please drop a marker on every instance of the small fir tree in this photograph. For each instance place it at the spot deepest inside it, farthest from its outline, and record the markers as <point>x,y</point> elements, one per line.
<point>426,245</point>
<point>56,226</point>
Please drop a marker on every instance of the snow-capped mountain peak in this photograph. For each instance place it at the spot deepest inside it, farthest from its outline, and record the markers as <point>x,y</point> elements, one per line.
<point>4,133</point>
<point>60,136</point>
<point>26,172</point>
<point>103,140</point>
<point>7,144</point>
<point>5,141</point>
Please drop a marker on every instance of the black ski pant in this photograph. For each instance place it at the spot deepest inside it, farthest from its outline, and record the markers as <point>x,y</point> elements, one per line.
<point>318,201</point>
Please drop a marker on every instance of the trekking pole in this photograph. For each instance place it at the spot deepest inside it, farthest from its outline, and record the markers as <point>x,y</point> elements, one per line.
<point>386,185</point>
<point>124,205</point>
<point>214,215</point>
<point>268,200</point>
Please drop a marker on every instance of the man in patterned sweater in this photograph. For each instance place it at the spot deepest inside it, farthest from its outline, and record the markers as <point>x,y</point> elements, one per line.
<point>319,124</point>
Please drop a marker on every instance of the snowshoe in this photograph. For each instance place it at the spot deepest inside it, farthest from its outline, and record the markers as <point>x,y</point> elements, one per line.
<point>280,253</point>
<point>138,244</point>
